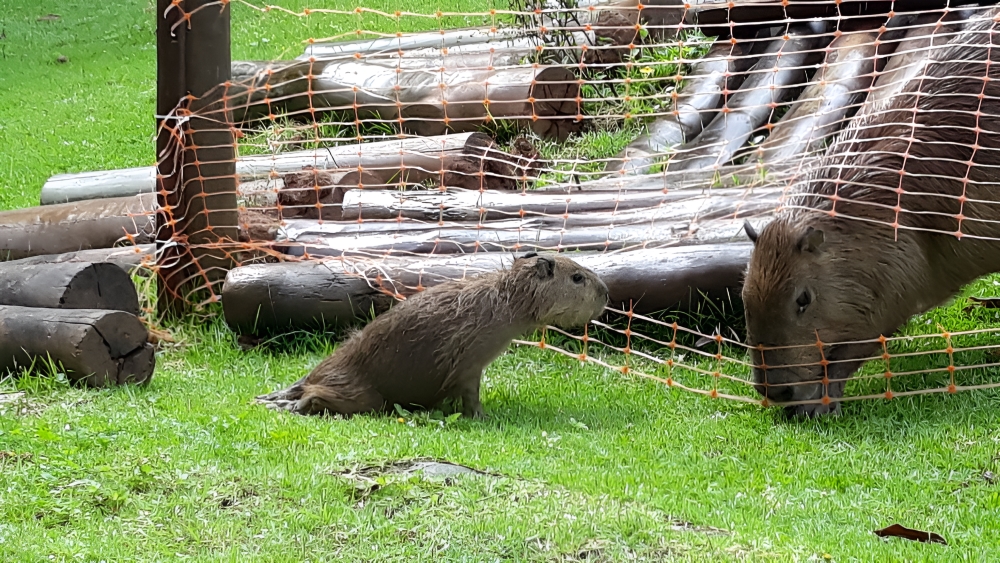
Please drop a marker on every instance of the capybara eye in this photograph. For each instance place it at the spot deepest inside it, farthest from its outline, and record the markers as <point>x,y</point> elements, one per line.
<point>803,301</point>
<point>577,278</point>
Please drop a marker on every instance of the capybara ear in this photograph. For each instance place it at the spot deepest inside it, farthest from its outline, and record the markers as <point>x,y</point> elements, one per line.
<point>529,255</point>
<point>751,233</point>
<point>811,240</point>
<point>545,267</point>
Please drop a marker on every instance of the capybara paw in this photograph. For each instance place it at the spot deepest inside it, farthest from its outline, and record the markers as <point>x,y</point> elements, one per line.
<point>475,413</point>
<point>280,405</point>
<point>270,396</point>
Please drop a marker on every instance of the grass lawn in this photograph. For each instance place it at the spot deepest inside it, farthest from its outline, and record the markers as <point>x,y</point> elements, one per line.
<point>590,465</point>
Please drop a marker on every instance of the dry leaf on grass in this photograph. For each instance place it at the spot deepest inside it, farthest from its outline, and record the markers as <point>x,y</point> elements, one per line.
<point>897,531</point>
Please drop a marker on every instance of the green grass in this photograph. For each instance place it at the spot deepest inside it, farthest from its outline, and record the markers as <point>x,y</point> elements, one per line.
<point>594,466</point>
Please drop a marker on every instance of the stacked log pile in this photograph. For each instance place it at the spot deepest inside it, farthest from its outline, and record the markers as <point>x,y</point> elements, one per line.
<point>79,317</point>
<point>361,224</point>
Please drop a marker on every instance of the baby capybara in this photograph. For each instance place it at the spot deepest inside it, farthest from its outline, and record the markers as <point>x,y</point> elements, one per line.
<point>436,344</point>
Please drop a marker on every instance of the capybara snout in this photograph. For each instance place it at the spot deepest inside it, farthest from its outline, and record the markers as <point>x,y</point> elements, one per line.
<point>573,295</point>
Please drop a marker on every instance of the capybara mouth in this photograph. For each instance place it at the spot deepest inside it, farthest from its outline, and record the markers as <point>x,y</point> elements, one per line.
<point>800,412</point>
<point>811,393</point>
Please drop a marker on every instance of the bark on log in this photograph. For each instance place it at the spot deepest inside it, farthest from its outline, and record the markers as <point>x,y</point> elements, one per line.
<point>465,205</point>
<point>79,285</point>
<point>769,82</point>
<point>719,70</point>
<point>69,227</point>
<point>427,42</point>
<point>746,175</point>
<point>717,17</point>
<point>505,238</point>
<point>691,218</point>
<point>540,99</point>
<point>698,221</point>
<point>839,86</point>
<point>911,55</point>
<point>128,258</point>
<point>266,298</point>
<point>262,298</point>
<point>406,161</point>
<point>96,347</point>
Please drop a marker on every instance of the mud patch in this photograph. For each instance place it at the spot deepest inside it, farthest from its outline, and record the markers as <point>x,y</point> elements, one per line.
<point>371,478</point>
<point>13,457</point>
<point>19,404</point>
<point>426,468</point>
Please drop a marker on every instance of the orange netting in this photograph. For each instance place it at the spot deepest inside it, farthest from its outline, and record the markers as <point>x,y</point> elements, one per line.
<point>638,139</point>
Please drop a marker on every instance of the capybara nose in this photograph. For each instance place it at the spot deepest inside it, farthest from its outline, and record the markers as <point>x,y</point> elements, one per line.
<point>605,290</point>
<point>772,391</point>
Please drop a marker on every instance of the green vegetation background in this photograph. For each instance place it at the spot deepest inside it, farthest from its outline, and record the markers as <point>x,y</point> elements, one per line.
<point>595,466</point>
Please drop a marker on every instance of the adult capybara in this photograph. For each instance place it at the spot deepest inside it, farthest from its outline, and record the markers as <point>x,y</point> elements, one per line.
<point>897,218</point>
<point>436,344</point>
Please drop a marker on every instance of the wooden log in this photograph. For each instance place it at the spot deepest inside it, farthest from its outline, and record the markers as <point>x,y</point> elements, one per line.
<point>467,205</point>
<point>506,238</point>
<point>541,99</point>
<point>74,285</point>
<point>95,347</point>
<point>397,161</point>
<point>252,306</point>
<point>129,258</point>
<point>771,81</point>
<point>840,85</point>
<point>746,175</point>
<point>66,188</point>
<point>702,92</point>
<point>698,221</point>
<point>266,298</point>
<point>719,18</point>
<point>695,218</point>
<point>604,27</point>
<point>69,227</point>
<point>451,39</point>
<point>911,56</point>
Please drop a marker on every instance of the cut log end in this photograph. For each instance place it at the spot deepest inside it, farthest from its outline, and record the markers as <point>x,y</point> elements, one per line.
<point>96,348</point>
<point>78,285</point>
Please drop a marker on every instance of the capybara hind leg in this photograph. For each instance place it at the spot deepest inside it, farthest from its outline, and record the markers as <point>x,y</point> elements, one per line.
<point>281,404</point>
<point>292,393</point>
<point>471,406</point>
<point>319,399</point>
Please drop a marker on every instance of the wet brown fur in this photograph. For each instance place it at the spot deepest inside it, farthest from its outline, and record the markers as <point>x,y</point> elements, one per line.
<point>436,344</point>
<point>867,274</point>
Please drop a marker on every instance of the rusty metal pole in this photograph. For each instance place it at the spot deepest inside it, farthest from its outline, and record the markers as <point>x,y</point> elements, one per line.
<point>196,170</point>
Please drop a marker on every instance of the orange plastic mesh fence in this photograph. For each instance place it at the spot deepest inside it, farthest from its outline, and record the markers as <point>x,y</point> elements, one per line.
<point>637,138</point>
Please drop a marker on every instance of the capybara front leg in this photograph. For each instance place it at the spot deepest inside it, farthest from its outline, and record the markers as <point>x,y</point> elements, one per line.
<point>471,406</point>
